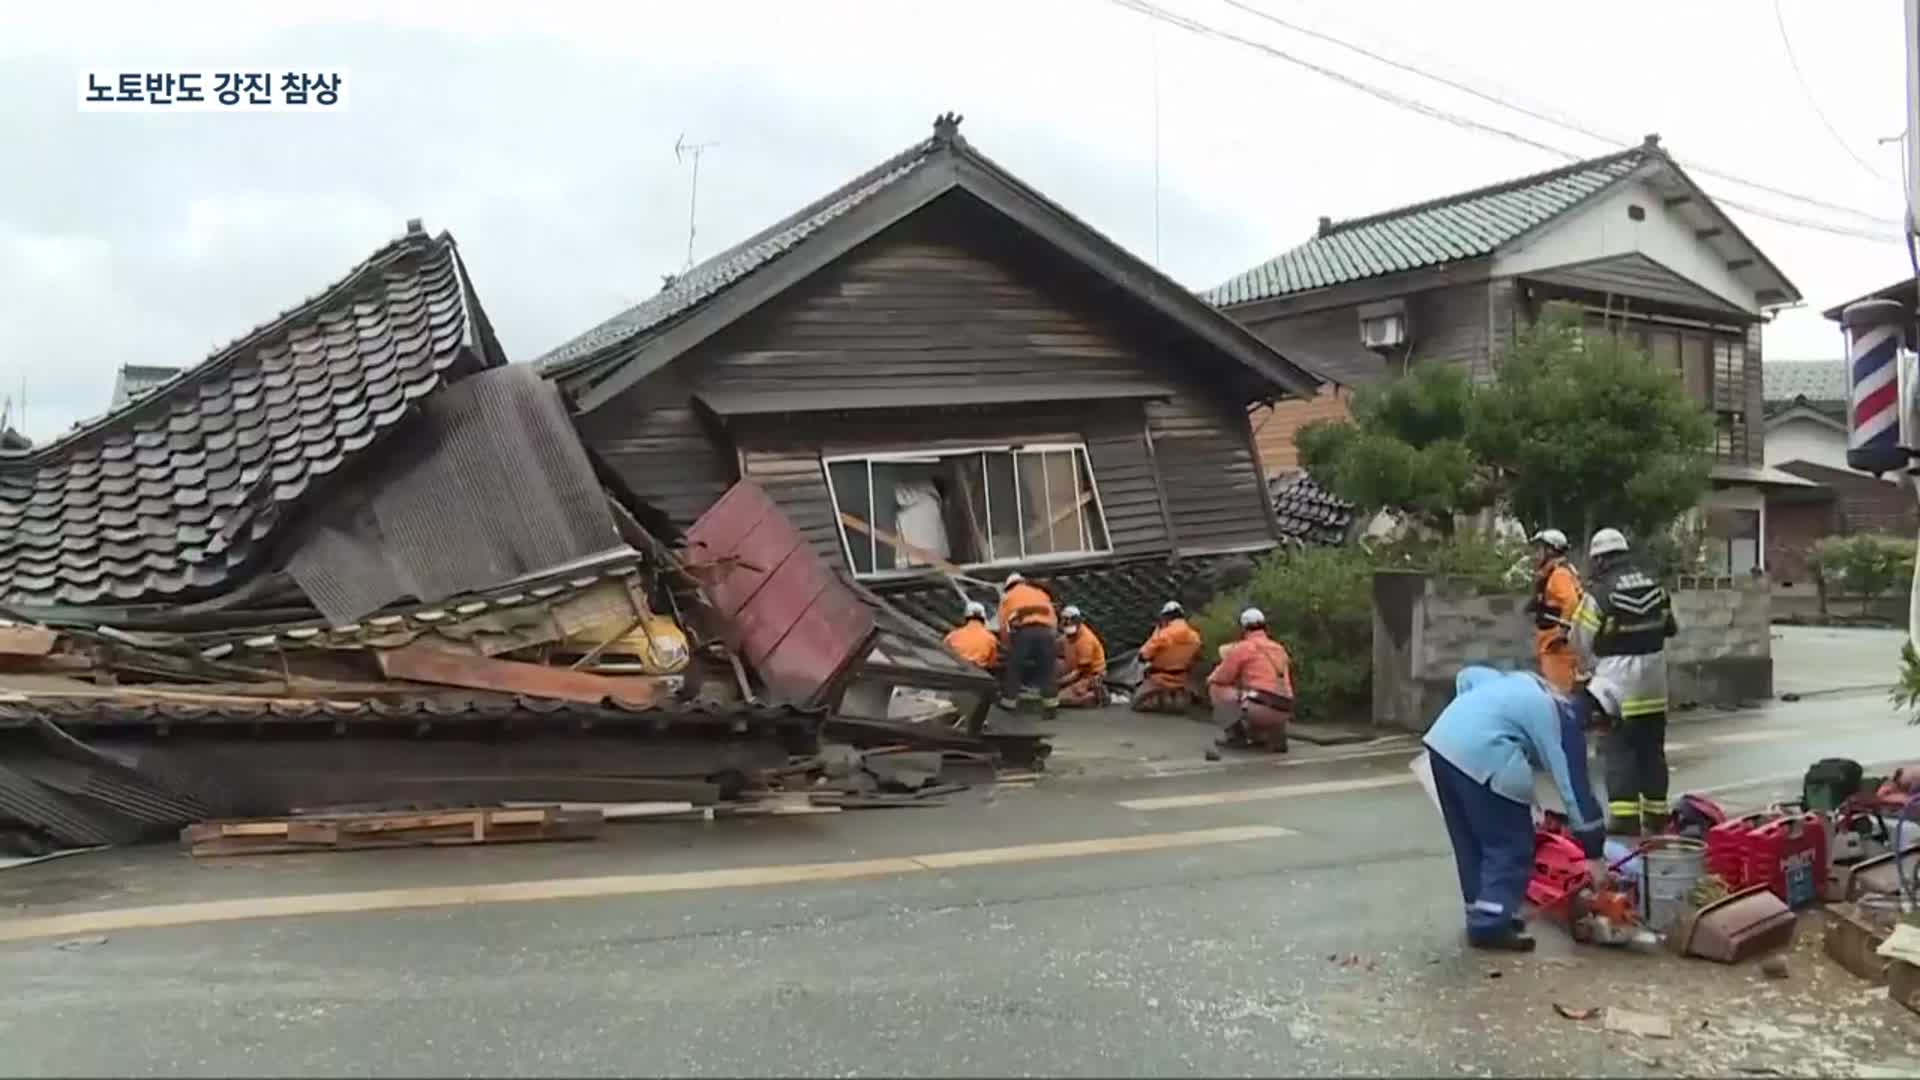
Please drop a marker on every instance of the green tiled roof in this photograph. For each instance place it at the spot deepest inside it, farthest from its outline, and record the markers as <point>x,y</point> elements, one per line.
<point>1464,226</point>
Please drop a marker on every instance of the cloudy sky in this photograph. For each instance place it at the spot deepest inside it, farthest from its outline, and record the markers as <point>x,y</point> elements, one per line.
<point>542,136</point>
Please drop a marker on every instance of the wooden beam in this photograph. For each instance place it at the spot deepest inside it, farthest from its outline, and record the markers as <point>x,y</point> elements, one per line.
<point>424,663</point>
<point>1677,200</point>
<point>23,640</point>
<point>1707,234</point>
<point>1739,264</point>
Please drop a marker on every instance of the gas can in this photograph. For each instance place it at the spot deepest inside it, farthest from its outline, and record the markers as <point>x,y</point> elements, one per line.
<point>1789,857</point>
<point>1727,846</point>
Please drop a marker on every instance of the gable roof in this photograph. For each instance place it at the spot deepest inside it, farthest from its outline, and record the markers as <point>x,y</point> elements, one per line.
<point>178,491</point>
<point>1814,380</point>
<point>1905,291</point>
<point>1467,225</point>
<point>618,352</point>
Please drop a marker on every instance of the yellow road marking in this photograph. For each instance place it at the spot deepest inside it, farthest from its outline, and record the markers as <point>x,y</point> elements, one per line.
<point>512,892</point>
<point>1282,791</point>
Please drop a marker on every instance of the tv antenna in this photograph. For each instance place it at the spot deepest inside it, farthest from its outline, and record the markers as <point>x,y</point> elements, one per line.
<point>682,150</point>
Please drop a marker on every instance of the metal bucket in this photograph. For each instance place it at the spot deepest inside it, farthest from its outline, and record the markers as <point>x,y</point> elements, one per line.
<point>1673,866</point>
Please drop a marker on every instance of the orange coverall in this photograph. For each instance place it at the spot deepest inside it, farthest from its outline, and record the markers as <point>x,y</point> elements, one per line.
<point>1084,669</point>
<point>1556,595</point>
<point>1255,662</point>
<point>1169,656</point>
<point>975,643</point>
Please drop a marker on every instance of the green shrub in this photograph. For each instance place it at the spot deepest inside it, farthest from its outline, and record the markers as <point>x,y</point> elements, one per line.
<point>1319,604</point>
<point>1864,565</point>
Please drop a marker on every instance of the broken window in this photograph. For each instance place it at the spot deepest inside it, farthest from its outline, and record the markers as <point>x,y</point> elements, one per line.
<point>973,507</point>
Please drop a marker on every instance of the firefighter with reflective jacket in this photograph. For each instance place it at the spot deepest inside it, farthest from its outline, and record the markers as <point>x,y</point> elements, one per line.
<point>1620,633</point>
<point>1031,657</point>
<point>1556,593</point>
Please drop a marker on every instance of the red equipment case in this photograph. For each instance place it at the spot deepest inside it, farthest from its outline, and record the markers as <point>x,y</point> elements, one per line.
<point>1727,846</point>
<point>1789,857</point>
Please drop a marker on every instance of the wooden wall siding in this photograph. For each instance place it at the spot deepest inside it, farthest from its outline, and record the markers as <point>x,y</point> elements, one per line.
<point>929,306</point>
<point>1215,491</point>
<point>664,451</point>
<point>1503,321</point>
<point>784,458</point>
<point>1449,326</point>
<point>1274,428</point>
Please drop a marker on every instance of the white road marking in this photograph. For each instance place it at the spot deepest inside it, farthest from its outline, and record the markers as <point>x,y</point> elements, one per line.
<point>1772,735</point>
<point>511,892</point>
<point>1282,791</point>
<point>1403,745</point>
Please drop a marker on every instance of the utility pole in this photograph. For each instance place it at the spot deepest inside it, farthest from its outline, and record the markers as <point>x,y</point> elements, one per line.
<point>682,150</point>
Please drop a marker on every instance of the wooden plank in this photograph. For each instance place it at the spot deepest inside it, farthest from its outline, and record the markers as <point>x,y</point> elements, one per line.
<point>478,825</point>
<point>22,640</point>
<point>421,662</point>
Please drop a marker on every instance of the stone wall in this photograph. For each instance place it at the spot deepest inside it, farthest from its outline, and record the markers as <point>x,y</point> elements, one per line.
<point>1426,629</point>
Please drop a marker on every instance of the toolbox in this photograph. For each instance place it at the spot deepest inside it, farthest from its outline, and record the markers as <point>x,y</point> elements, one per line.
<point>1789,856</point>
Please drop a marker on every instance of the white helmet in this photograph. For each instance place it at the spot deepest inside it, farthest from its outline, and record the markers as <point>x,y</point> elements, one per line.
<point>1252,617</point>
<point>1552,538</point>
<point>1171,607</point>
<point>1606,542</point>
<point>1013,579</point>
<point>1070,613</point>
<point>976,610</point>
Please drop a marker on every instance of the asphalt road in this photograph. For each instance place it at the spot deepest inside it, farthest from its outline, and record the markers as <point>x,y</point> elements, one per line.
<point>1270,918</point>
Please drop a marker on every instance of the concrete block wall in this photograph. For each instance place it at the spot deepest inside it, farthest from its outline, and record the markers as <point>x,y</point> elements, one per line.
<point>1426,629</point>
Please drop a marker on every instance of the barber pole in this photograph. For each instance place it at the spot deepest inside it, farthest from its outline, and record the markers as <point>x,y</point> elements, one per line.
<point>1874,443</point>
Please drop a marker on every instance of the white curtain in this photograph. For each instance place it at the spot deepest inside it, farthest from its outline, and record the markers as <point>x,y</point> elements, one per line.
<point>920,520</point>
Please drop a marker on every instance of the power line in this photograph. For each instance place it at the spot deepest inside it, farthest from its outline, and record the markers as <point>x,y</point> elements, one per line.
<point>1538,114</point>
<point>1806,91</point>
<point>1194,26</point>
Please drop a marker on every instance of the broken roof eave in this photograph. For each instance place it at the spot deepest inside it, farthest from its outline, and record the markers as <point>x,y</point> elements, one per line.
<point>597,379</point>
<point>163,392</point>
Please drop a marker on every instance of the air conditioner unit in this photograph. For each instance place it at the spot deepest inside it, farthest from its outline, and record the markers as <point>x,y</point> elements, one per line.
<point>1384,331</point>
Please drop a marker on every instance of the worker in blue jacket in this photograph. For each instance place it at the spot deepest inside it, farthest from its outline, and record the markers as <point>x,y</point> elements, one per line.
<point>1485,747</point>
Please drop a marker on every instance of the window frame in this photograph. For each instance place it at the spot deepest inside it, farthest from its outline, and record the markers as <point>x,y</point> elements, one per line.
<point>1079,449</point>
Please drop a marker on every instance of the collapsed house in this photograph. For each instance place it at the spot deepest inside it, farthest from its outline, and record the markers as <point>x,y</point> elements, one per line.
<point>355,557</point>
<point>938,375</point>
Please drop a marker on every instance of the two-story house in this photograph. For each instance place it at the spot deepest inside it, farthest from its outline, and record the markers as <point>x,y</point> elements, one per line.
<point>1628,237</point>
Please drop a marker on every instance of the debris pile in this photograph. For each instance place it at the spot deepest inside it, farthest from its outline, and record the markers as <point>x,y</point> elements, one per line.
<point>354,580</point>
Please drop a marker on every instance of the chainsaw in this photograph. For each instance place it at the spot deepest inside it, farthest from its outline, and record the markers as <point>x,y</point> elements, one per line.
<point>1604,913</point>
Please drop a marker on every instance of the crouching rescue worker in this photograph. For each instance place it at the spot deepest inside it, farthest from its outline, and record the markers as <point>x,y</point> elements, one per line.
<point>1027,620</point>
<point>1084,671</point>
<point>1556,593</point>
<point>1485,748</point>
<point>972,641</point>
<point>1168,655</point>
<point>1620,631</point>
<point>1253,684</point>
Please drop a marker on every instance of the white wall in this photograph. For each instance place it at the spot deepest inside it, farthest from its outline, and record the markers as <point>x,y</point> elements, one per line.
<point>1603,230</point>
<point>1808,440</point>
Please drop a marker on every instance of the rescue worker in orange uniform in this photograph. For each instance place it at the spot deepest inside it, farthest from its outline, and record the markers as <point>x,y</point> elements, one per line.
<point>1253,684</point>
<point>1169,655</point>
<point>1027,623</point>
<point>1083,675</point>
<point>974,643</point>
<point>1556,594</point>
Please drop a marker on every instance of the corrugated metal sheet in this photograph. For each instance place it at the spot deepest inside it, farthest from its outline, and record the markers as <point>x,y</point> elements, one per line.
<point>491,484</point>
<point>782,609</point>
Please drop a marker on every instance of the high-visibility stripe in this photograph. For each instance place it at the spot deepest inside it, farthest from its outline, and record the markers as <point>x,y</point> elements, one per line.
<point>1656,807</point>
<point>1646,706</point>
<point>1487,906</point>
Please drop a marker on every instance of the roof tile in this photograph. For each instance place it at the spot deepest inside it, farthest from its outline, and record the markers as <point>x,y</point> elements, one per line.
<point>1463,226</point>
<point>287,402</point>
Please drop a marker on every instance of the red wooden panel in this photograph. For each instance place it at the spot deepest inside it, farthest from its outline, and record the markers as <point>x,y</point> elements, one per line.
<point>786,614</point>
